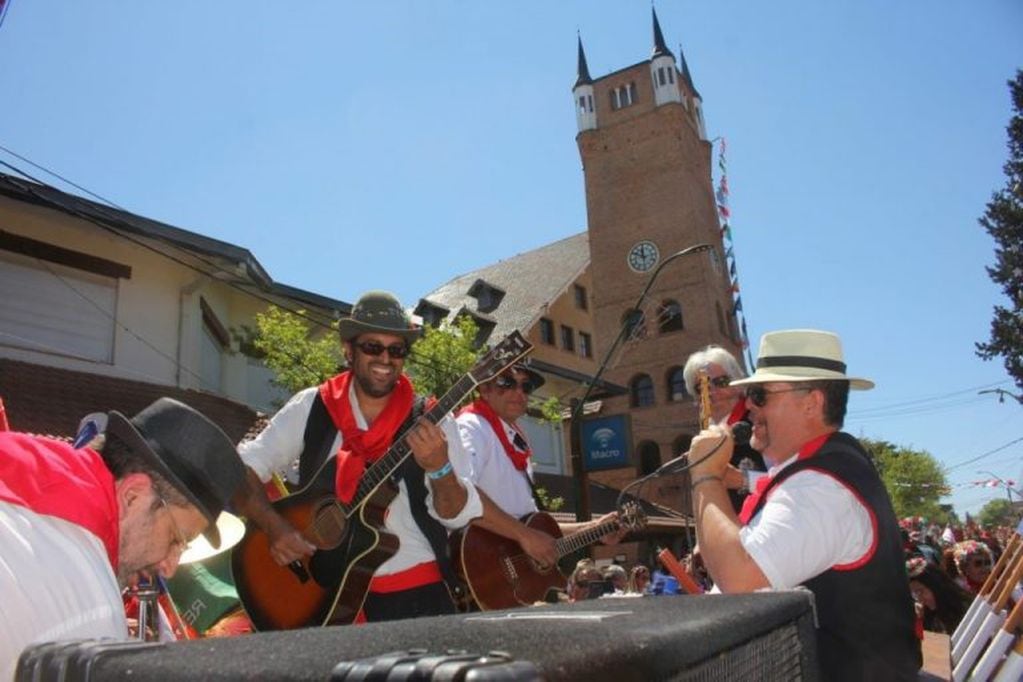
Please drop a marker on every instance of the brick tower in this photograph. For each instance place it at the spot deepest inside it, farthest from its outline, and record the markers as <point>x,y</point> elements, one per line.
<point>649,194</point>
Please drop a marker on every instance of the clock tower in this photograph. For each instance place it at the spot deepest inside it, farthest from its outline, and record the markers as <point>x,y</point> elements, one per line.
<point>647,168</point>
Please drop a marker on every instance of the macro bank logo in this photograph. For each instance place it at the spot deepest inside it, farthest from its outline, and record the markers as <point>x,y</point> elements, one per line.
<point>606,442</point>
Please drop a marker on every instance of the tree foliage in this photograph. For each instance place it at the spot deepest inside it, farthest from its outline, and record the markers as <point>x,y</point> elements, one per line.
<point>997,513</point>
<point>442,355</point>
<point>1003,220</point>
<point>298,358</point>
<point>914,479</point>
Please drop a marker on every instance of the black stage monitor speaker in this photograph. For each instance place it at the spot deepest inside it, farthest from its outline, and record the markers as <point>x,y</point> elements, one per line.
<point>764,636</point>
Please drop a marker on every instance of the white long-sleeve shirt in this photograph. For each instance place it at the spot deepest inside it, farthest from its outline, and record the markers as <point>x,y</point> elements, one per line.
<point>281,443</point>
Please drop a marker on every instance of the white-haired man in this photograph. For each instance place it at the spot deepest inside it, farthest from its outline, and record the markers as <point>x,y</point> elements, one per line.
<point>821,518</point>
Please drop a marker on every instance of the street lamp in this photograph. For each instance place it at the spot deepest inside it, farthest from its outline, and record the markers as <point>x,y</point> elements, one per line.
<point>1001,394</point>
<point>582,491</point>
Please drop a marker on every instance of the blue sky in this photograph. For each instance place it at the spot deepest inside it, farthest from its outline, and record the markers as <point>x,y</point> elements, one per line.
<point>397,144</point>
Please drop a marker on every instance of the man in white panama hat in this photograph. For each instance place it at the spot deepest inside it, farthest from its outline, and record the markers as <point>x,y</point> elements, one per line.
<point>821,518</point>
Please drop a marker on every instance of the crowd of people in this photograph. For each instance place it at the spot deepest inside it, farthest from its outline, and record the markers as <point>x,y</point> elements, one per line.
<point>781,498</point>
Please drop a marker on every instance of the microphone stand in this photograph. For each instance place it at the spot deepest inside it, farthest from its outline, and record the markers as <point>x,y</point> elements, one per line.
<point>582,488</point>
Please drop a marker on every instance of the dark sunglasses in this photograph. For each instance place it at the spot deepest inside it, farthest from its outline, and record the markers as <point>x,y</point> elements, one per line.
<point>981,563</point>
<point>375,348</point>
<point>720,382</point>
<point>758,394</point>
<point>508,383</point>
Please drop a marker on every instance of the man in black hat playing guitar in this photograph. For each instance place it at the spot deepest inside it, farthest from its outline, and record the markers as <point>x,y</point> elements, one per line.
<point>353,419</point>
<point>81,524</point>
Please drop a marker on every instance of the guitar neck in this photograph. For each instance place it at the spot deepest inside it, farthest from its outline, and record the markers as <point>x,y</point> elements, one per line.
<point>584,538</point>
<point>384,467</point>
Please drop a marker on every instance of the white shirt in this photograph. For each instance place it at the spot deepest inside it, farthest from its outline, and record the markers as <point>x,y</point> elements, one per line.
<point>809,523</point>
<point>488,466</point>
<point>280,443</point>
<point>56,583</point>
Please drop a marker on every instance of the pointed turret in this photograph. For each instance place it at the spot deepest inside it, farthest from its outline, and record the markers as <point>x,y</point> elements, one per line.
<point>583,71</point>
<point>660,49</point>
<point>685,74</point>
<point>582,93</point>
<point>662,68</point>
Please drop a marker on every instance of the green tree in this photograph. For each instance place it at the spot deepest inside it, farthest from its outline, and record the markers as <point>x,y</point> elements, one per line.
<point>997,513</point>
<point>1003,220</point>
<point>914,479</point>
<point>442,355</point>
<point>298,357</point>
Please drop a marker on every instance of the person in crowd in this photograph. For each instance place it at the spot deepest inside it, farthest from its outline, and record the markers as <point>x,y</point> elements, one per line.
<point>941,602</point>
<point>580,584</point>
<point>79,525</point>
<point>639,579</point>
<point>727,407</point>
<point>497,459</point>
<point>821,518</point>
<point>355,417</point>
<point>973,560</point>
<point>618,576</point>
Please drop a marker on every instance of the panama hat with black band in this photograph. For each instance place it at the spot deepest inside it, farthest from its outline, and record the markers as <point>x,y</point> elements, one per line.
<point>188,450</point>
<point>378,312</point>
<point>796,355</point>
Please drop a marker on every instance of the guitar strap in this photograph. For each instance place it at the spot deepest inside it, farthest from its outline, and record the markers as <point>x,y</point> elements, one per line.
<point>536,496</point>
<point>318,440</point>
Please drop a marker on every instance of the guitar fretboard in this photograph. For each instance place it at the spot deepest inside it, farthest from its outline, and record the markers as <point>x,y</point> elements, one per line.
<point>583,538</point>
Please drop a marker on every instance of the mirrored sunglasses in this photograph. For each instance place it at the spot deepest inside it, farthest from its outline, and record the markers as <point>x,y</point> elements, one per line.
<point>506,383</point>
<point>375,348</point>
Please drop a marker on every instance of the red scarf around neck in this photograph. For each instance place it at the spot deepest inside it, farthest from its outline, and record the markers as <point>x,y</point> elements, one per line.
<point>359,447</point>
<point>482,408</point>
<point>809,449</point>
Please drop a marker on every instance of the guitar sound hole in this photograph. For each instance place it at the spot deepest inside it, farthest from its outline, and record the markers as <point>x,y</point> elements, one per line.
<point>328,527</point>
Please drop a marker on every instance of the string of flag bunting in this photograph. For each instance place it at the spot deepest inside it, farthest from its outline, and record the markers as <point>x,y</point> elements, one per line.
<point>725,218</point>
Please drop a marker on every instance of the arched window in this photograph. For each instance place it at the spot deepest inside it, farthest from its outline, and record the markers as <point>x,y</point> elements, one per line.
<point>635,324</point>
<point>669,316</point>
<point>641,389</point>
<point>681,444</point>
<point>649,457</point>
<point>676,385</point>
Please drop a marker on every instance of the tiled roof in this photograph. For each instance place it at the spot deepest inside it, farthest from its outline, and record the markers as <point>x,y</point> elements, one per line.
<point>530,280</point>
<point>51,401</point>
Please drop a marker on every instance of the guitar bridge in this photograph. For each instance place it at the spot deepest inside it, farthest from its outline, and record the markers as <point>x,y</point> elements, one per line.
<point>508,568</point>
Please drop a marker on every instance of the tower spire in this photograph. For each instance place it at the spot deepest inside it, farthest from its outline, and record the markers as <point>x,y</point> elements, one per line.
<point>660,49</point>
<point>685,73</point>
<point>583,71</point>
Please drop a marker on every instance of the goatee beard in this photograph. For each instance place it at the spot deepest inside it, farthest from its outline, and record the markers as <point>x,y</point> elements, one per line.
<point>367,387</point>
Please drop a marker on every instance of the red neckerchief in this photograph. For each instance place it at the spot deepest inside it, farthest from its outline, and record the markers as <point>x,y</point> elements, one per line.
<point>738,412</point>
<point>359,447</point>
<point>809,449</point>
<point>518,457</point>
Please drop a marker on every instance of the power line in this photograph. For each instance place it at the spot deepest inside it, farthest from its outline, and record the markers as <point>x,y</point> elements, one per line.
<point>982,456</point>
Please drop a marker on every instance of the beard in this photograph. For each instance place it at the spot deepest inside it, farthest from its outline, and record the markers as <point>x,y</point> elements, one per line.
<point>375,390</point>
<point>132,550</point>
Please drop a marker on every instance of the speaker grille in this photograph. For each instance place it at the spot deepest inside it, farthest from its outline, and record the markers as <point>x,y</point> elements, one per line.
<point>775,656</point>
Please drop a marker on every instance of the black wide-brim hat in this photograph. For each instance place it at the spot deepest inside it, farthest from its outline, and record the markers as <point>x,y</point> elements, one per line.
<point>191,452</point>
<point>378,312</point>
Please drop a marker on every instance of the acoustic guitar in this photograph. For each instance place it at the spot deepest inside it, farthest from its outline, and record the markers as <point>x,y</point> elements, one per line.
<point>330,587</point>
<point>501,576</point>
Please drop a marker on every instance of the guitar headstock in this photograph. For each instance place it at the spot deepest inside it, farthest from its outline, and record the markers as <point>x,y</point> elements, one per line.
<point>500,357</point>
<point>631,516</point>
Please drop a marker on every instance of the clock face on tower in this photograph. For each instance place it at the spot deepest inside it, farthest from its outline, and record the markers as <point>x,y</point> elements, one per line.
<point>643,256</point>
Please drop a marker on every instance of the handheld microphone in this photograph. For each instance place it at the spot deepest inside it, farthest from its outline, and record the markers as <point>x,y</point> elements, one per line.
<point>741,433</point>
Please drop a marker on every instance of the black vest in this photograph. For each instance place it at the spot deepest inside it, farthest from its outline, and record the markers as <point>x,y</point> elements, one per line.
<point>864,613</point>
<point>318,439</point>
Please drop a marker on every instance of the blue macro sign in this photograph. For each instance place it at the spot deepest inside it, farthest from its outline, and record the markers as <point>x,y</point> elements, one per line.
<point>605,442</point>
